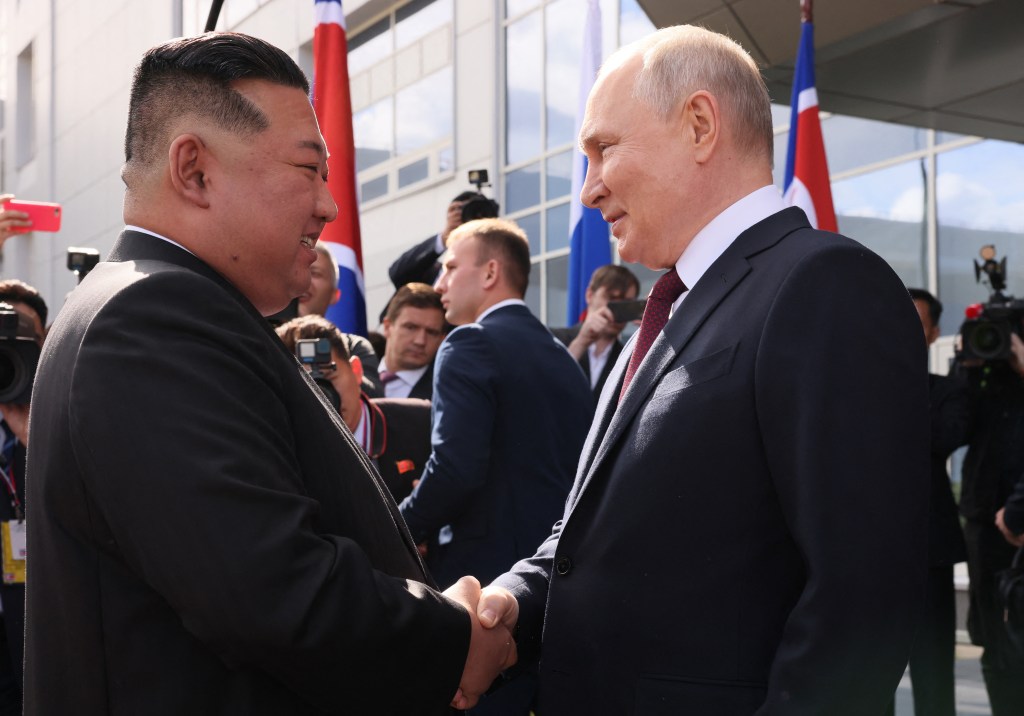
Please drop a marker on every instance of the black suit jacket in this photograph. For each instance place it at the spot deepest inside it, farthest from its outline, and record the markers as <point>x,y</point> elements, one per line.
<point>950,419</point>
<point>510,412</point>
<point>401,441</point>
<point>424,388</point>
<point>747,530</point>
<point>568,335</point>
<point>207,538</point>
<point>418,264</point>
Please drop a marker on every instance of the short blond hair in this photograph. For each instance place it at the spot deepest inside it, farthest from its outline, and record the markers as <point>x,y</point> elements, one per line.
<point>502,240</point>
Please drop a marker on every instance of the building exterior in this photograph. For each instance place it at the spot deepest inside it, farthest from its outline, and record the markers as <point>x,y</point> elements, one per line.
<point>440,87</point>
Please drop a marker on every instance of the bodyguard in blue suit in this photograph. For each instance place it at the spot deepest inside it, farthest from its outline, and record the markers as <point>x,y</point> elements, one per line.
<point>511,410</point>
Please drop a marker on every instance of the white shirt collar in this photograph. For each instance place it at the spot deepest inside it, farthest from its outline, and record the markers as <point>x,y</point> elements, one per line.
<point>500,304</point>
<point>409,379</point>
<point>130,227</point>
<point>712,241</point>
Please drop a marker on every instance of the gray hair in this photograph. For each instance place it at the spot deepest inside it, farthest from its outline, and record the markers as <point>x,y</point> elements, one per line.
<point>680,60</point>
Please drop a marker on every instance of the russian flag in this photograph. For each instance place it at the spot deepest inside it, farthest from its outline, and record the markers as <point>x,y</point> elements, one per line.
<point>332,103</point>
<point>588,243</point>
<point>807,183</point>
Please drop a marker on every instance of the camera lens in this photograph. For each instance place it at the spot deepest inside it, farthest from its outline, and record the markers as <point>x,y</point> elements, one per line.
<point>12,374</point>
<point>987,341</point>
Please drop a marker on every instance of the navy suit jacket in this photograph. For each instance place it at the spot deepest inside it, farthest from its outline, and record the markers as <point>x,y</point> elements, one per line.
<point>747,529</point>
<point>510,412</point>
<point>567,335</point>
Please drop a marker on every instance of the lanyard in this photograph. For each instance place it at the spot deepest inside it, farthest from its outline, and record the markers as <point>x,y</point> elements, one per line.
<point>7,472</point>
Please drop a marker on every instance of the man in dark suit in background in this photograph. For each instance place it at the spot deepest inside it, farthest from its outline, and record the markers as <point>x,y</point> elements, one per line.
<point>205,535</point>
<point>594,341</point>
<point>393,432</point>
<point>933,653</point>
<point>414,327</point>
<point>510,412</point>
<point>747,529</point>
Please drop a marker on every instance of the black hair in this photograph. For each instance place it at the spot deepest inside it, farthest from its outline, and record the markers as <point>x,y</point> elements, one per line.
<point>193,75</point>
<point>13,290</point>
<point>934,304</point>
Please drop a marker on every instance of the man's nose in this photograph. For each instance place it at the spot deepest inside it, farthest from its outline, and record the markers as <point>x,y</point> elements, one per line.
<point>326,207</point>
<point>593,187</point>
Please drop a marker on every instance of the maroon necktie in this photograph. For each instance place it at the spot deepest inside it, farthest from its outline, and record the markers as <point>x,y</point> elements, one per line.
<point>665,292</point>
<point>386,376</point>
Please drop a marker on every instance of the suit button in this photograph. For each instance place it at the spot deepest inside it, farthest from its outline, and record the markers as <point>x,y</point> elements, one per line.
<point>563,566</point>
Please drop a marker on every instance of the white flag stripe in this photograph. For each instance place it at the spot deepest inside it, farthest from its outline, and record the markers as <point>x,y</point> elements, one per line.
<point>808,98</point>
<point>346,258</point>
<point>797,195</point>
<point>330,13</point>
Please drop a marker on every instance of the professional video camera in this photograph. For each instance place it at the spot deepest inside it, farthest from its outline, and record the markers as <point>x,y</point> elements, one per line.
<point>316,354</point>
<point>19,355</point>
<point>985,334</point>
<point>480,206</point>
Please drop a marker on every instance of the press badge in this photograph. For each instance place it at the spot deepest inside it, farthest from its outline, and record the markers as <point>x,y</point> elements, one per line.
<point>15,549</point>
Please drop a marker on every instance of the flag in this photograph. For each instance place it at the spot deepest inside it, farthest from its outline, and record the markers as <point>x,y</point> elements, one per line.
<point>807,182</point>
<point>333,106</point>
<point>588,239</point>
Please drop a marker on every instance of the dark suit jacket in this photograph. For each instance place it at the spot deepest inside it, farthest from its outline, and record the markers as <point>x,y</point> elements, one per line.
<point>950,417</point>
<point>401,441</point>
<point>568,335</point>
<point>418,264</point>
<point>747,530</point>
<point>207,538</point>
<point>424,388</point>
<point>510,412</point>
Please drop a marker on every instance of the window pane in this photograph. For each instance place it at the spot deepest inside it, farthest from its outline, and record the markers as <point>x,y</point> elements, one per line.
<point>374,188</point>
<point>445,160</point>
<point>634,22</point>
<point>852,142</point>
<point>558,227</point>
<point>531,225</point>
<point>412,173</point>
<point>419,18</point>
<point>559,175</point>
<point>533,290</point>
<point>523,71</point>
<point>557,290</point>
<point>980,201</point>
<point>522,188</point>
<point>945,137</point>
<point>373,134</point>
<point>564,53</point>
<point>779,169</point>
<point>780,115</point>
<point>370,46</point>
<point>885,211</point>
<point>424,111</point>
<point>515,7</point>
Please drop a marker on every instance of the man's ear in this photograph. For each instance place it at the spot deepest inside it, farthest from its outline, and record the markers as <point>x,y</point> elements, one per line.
<point>492,273</point>
<point>187,161</point>
<point>357,368</point>
<point>701,127</point>
<point>335,297</point>
<point>385,328</point>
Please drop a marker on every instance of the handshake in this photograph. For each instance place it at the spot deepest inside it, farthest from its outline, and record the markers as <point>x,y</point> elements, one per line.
<point>492,648</point>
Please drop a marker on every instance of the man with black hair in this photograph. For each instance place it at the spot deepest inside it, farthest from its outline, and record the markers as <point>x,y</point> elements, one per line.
<point>206,535</point>
<point>933,651</point>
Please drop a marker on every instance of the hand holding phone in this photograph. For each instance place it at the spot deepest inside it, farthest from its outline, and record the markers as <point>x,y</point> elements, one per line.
<point>39,215</point>
<point>625,311</point>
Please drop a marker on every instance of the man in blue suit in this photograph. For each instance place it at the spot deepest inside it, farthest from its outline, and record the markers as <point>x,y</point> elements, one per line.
<point>511,409</point>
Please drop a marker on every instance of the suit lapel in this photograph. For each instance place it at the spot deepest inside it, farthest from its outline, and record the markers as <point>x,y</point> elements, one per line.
<point>720,279</point>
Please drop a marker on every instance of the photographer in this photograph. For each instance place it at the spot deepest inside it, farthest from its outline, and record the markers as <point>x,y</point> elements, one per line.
<point>992,467</point>
<point>31,310</point>
<point>420,264</point>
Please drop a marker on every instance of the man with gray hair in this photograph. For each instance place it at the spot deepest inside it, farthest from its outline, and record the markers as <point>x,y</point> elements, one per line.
<point>746,532</point>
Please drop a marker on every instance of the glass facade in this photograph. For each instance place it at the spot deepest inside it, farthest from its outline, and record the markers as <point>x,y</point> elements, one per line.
<point>924,200</point>
<point>403,98</point>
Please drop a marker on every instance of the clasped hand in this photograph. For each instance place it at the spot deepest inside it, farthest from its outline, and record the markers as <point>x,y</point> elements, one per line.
<point>492,649</point>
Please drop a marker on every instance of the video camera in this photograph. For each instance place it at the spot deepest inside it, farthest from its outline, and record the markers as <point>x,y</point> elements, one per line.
<point>19,356</point>
<point>315,353</point>
<point>985,334</point>
<point>480,206</point>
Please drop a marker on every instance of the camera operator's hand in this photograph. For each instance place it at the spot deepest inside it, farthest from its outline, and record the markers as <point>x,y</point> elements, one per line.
<point>16,417</point>
<point>1017,354</point>
<point>1015,540</point>
<point>453,219</point>
<point>10,220</point>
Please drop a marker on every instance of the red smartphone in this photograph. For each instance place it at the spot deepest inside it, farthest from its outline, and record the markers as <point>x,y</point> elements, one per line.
<point>45,216</point>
